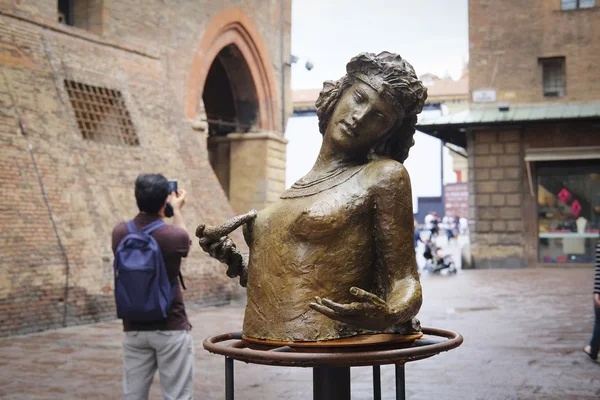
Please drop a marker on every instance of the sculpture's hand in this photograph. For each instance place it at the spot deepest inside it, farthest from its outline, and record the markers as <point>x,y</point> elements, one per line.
<point>220,249</point>
<point>370,311</point>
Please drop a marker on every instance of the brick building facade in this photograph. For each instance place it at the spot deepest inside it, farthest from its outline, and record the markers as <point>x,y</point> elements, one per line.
<point>532,132</point>
<point>93,93</point>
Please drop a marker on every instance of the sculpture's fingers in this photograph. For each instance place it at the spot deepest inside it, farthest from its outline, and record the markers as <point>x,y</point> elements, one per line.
<point>228,243</point>
<point>200,230</point>
<point>364,295</point>
<point>324,310</point>
<point>205,243</point>
<point>343,309</point>
<point>220,252</point>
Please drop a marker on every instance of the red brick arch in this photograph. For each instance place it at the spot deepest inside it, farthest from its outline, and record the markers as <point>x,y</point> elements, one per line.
<point>233,26</point>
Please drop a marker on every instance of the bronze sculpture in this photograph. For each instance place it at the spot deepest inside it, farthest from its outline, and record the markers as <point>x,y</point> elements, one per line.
<point>334,257</point>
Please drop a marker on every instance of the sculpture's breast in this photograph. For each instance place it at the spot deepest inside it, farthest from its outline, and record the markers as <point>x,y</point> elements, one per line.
<point>331,217</point>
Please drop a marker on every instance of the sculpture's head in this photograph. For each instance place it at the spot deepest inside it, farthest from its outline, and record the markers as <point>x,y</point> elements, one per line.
<point>373,108</point>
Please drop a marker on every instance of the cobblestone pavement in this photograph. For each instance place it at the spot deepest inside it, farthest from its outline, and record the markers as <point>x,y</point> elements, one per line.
<point>523,329</point>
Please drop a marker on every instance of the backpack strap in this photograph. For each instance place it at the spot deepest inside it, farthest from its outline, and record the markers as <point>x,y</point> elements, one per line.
<point>181,280</point>
<point>151,227</point>
<point>131,227</point>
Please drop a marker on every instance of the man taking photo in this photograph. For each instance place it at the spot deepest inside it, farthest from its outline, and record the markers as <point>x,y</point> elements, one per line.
<point>148,294</point>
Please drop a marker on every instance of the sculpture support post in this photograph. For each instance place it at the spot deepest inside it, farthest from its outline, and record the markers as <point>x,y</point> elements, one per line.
<point>331,383</point>
<point>400,383</point>
<point>376,382</point>
<point>229,378</point>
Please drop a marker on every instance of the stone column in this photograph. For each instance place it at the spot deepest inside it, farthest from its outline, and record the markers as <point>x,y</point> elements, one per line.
<point>219,150</point>
<point>495,198</point>
<point>257,169</point>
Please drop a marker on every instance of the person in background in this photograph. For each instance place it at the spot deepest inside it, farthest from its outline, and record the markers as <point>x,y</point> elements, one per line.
<point>431,222</point>
<point>165,345</point>
<point>592,349</point>
<point>417,234</point>
<point>455,226</point>
<point>463,226</point>
<point>448,224</point>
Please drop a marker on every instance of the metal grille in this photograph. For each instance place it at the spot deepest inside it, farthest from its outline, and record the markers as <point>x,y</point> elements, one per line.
<point>553,76</point>
<point>101,114</point>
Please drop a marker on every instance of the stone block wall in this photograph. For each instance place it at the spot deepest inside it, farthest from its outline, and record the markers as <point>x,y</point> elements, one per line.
<point>495,197</point>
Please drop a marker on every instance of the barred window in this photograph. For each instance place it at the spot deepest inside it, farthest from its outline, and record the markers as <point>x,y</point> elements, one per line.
<point>553,76</point>
<point>101,114</point>
<point>574,4</point>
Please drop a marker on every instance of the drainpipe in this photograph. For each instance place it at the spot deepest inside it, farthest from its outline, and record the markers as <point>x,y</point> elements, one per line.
<point>442,176</point>
<point>281,62</point>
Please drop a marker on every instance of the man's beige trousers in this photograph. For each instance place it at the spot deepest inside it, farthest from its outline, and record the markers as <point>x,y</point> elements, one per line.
<point>172,352</point>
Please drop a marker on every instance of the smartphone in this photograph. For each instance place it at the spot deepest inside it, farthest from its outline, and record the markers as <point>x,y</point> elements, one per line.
<point>169,210</point>
<point>172,186</point>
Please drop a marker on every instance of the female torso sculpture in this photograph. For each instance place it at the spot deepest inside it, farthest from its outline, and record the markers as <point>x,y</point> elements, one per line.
<point>334,256</point>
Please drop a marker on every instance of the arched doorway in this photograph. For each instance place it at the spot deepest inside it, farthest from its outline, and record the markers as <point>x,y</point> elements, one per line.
<point>231,106</point>
<point>229,96</point>
<point>232,85</point>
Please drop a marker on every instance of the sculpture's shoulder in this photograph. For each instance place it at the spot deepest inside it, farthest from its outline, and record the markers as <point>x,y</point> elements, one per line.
<point>386,173</point>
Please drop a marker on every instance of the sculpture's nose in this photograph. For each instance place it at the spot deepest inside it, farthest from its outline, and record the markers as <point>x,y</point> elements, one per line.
<point>358,114</point>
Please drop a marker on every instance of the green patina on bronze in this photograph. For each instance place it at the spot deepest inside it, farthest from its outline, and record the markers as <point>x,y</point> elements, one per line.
<point>334,256</point>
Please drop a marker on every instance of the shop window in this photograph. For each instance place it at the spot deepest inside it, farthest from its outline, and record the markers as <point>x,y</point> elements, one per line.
<point>553,76</point>
<point>101,114</point>
<point>568,211</point>
<point>574,4</point>
<point>84,14</point>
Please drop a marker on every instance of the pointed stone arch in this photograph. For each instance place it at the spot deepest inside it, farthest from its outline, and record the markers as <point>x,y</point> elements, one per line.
<point>233,27</point>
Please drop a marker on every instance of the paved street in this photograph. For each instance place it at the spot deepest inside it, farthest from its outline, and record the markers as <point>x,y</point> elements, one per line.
<point>523,330</point>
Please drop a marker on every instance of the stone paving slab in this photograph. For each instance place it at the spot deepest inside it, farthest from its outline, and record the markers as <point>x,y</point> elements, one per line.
<point>523,329</point>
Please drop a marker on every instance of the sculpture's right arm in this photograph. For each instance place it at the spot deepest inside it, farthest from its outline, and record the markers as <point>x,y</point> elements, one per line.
<point>218,245</point>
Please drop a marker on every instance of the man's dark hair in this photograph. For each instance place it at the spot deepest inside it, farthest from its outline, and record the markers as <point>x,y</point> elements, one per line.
<point>151,191</point>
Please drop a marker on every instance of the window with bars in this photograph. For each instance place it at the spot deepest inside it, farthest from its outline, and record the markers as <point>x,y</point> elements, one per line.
<point>101,114</point>
<point>574,4</point>
<point>553,76</point>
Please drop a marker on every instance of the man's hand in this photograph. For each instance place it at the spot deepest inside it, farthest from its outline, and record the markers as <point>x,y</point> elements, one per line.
<point>177,199</point>
<point>597,299</point>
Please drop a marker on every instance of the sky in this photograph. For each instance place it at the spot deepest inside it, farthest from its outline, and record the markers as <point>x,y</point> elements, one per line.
<point>431,34</point>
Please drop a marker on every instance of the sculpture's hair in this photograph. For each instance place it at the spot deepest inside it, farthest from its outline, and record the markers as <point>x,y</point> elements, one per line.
<point>399,85</point>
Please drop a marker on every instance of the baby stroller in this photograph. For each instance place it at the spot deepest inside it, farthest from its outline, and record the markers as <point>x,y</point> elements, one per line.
<point>436,260</point>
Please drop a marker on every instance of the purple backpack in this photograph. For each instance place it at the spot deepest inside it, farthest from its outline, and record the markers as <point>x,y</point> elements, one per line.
<point>143,291</point>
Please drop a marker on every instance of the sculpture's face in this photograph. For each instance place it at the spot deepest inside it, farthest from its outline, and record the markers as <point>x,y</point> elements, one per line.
<point>361,117</point>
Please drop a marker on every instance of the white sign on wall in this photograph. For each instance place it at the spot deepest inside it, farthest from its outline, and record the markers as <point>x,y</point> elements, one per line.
<point>484,96</point>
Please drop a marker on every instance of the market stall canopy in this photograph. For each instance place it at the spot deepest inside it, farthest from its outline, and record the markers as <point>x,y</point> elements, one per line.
<point>452,128</point>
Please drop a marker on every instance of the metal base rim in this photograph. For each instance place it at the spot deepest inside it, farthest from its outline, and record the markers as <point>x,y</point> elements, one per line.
<point>287,356</point>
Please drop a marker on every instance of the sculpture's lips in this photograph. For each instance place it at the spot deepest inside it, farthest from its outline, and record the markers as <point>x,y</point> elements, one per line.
<point>347,129</point>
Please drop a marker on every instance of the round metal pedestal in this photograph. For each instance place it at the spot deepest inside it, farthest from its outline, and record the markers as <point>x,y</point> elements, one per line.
<point>331,368</point>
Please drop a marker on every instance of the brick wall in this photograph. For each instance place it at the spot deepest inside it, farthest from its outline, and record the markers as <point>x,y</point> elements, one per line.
<point>145,52</point>
<point>495,197</point>
<point>506,38</point>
